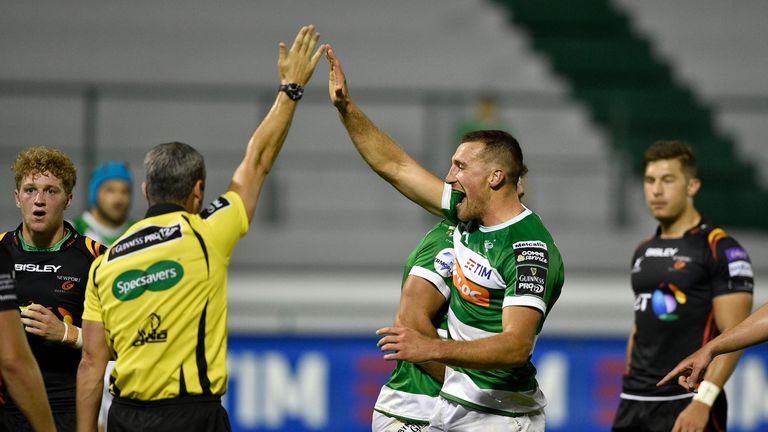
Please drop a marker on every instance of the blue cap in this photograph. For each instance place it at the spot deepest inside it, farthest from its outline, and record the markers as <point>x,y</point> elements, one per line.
<point>110,170</point>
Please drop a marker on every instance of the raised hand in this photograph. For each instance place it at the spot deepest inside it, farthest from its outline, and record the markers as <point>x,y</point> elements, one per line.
<point>337,81</point>
<point>297,64</point>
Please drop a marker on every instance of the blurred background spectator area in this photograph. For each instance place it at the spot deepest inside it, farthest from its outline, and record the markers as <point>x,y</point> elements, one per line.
<point>584,85</point>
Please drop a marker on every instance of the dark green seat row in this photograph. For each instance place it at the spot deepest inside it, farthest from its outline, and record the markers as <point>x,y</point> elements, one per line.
<point>632,92</point>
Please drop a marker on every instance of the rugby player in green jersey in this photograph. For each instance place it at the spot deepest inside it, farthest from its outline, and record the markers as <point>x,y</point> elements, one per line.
<point>109,200</point>
<point>106,219</point>
<point>507,275</point>
<point>408,398</point>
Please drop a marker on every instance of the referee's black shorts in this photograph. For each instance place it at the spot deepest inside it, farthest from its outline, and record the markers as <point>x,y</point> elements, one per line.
<point>182,414</point>
<point>644,416</point>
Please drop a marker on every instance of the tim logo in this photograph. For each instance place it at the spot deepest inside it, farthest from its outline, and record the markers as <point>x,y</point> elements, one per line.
<point>150,331</point>
<point>474,267</point>
<point>470,291</point>
<point>470,265</point>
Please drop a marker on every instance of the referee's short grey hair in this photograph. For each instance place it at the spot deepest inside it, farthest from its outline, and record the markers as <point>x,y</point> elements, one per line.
<point>171,171</point>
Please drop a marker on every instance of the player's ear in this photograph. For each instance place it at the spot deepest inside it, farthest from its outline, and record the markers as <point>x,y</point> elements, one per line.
<point>144,190</point>
<point>198,195</point>
<point>497,179</point>
<point>694,184</point>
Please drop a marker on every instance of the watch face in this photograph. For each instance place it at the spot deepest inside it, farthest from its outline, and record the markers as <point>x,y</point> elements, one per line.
<point>293,90</point>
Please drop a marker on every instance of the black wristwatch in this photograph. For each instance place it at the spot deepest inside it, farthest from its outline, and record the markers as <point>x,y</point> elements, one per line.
<point>293,90</point>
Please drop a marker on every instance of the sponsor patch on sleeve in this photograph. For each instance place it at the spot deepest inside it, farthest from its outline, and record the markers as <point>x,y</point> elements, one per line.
<point>444,262</point>
<point>7,289</point>
<point>144,238</point>
<point>530,244</point>
<point>740,269</point>
<point>532,256</point>
<point>736,254</point>
<point>531,280</point>
<point>217,204</point>
<point>532,261</point>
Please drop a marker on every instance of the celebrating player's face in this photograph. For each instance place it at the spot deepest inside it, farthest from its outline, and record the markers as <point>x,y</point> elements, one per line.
<point>469,174</point>
<point>668,191</point>
<point>42,200</point>
<point>113,200</point>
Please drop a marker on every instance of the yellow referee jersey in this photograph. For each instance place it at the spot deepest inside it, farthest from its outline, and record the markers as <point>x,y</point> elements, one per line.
<point>161,293</point>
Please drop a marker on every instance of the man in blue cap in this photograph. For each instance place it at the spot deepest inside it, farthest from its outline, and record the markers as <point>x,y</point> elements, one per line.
<point>109,199</point>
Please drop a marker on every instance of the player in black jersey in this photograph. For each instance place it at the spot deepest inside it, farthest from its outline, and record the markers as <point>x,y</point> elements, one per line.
<point>17,365</point>
<point>691,281</point>
<point>51,262</point>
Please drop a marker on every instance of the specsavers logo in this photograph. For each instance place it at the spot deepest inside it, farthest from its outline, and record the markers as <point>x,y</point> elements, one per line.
<point>160,276</point>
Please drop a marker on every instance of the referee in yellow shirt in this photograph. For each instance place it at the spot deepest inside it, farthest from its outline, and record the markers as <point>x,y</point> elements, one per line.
<point>156,302</point>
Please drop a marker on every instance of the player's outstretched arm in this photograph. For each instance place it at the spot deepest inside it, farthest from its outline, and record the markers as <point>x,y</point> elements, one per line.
<point>691,369</point>
<point>509,349</point>
<point>90,375</point>
<point>21,374</point>
<point>296,67</point>
<point>751,331</point>
<point>729,310</point>
<point>379,150</point>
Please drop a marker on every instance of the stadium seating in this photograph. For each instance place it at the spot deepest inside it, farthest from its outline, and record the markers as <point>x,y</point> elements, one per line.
<point>636,95</point>
<point>205,73</point>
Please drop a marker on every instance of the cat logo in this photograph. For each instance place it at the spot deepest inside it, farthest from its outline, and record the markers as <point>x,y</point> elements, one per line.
<point>149,331</point>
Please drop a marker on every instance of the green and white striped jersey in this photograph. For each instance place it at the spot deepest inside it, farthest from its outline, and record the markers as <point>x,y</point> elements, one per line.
<point>515,263</point>
<point>87,225</point>
<point>410,394</point>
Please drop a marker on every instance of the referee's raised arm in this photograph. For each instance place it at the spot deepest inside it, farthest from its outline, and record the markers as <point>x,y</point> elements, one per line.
<point>296,67</point>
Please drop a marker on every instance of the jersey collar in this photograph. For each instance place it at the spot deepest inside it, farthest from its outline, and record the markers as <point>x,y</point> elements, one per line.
<point>160,209</point>
<point>702,224</point>
<point>510,222</point>
<point>70,234</point>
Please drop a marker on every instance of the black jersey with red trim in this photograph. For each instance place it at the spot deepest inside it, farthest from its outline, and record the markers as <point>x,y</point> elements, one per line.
<point>56,280</point>
<point>7,282</point>
<point>675,281</point>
